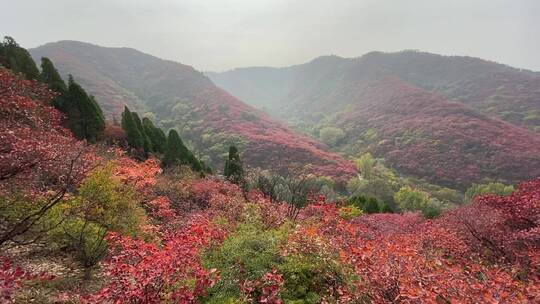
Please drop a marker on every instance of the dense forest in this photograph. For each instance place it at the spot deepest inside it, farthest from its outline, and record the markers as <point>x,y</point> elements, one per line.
<point>125,178</point>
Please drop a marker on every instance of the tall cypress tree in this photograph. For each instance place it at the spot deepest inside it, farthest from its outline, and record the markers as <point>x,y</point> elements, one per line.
<point>156,135</point>
<point>85,117</point>
<point>134,136</point>
<point>174,149</point>
<point>49,75</point>
<point>17,59</point>
<point>177,153</point>
<point>147,144</point>
<point>234,171</point>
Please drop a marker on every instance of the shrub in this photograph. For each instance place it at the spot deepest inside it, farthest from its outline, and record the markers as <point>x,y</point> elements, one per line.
<point>410,199</point>
<point>103,204</point>
<point>331,135</point>
<point>245,256</point>
<point>490,188</point>
<point>349,212</point>
<point>369,205</point>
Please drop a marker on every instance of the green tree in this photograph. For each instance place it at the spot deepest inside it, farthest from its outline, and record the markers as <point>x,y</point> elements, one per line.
<point>365,165</point>
<point>134,136</point>
<point>84,115</point>
<point>156,136</point>
<point>331,135</point>
<point>49,75</point>
<point>178,154</point>
<point>147,144</point>
<point>233,170</point>
<point>490,188</point>
<point>367,204</point>
<point>17,59</point>
<point>103,204</point>
<point>410,199</point>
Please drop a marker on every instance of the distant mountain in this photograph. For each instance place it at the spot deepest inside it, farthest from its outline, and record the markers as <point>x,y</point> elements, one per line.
<point>450,120</point>
<point>494,89</point>
<point>178,96</point>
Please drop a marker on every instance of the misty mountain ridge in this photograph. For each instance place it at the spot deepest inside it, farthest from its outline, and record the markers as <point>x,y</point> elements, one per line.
<point>178,96</point>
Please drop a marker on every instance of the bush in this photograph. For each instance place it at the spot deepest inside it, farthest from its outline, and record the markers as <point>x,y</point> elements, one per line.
<point>369,204</point>
<point>410,199</point>
<point>490,188</point>
<point>245,256</point>
<point>349,212</point>
<point>102,204</point>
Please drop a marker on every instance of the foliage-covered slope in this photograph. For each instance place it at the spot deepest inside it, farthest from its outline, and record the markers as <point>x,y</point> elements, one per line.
<point>398,105</point>
<point>494,89</point>
<point>445,142</point>
<point>178,96</point>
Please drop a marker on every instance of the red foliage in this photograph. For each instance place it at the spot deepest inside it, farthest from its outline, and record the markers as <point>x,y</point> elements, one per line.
<point>142,175</point>
<point>143,272</point>
<point>264,290</point>
<point>445,142</point>
<point>36,153</point>
<point>13,277</point>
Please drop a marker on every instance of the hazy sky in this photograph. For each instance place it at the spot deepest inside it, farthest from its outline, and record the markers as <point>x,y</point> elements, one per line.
<point>223,34</point>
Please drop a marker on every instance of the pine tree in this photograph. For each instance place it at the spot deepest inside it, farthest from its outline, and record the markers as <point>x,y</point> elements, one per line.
<point>134,136</point>
<point>174,148</point>
<point>178,154</point>
<point>147,144</point>
<point>233,167</point>
<point>17,59</point>
<point>49,75</point>
<point>52,78</point>
<point>156,135</point>
<point>84,115</point>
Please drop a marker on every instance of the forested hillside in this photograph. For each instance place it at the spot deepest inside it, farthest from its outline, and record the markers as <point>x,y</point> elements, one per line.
<point>450,120</point>
<point>177,96</point>
<point>116,210</point>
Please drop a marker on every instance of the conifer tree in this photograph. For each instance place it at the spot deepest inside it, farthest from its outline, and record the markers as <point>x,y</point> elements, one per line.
<point>84,115</point>
<point>49,75</point>
<point>156,135</point>
<point>233,167</point>
<point>177,153</point>
<point>175,148</point>
<point>17,59</point>
<point>134,136</point>
<point>147,144</point>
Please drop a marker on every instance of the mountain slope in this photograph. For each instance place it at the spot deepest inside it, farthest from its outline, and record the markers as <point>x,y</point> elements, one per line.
<point>178,96</point>
<point>398,106</point>
<point>494,89</point>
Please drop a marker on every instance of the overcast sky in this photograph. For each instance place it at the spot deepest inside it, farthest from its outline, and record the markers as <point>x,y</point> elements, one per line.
<point>223,34</point>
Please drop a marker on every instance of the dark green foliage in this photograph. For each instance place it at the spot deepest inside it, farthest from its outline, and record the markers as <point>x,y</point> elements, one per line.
<point>52,78</point>
<point>134,136</point>
<point>178,154</point>
<point>49,75</point>
<point>156,135</point>
<point>17,59</point>
<point>84,116</point>
<point>234,171</point>
<point>147,144</point>
<point>369,204</point>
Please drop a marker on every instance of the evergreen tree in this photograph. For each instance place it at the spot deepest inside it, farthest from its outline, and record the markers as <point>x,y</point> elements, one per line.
<point>147,144</point>
<point>233,167</point>
<point>134,136</point>
<point>84,115</point>
<point>175,148</point>
<point>17,59</point>
<point>52,78</point>
<point>178,154</point>
<point>156,135</point>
